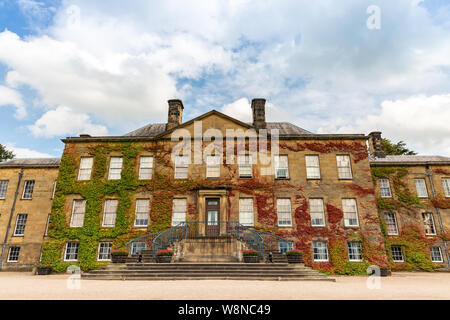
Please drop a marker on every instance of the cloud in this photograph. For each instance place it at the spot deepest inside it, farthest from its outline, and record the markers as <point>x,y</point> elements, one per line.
<point>421,121</point>
<point>26,153</point>
<point>10,96</point>
<point>239,109</point>
<point>64,121</point>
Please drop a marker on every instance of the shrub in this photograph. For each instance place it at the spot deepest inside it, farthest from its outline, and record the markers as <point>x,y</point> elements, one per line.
<point>164,253</point>
<point>250,252</point>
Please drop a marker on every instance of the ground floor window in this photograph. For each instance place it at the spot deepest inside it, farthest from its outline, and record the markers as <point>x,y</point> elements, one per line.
<point>285,246</point>
<point>436,254</point>
<point>320,251</point>
<point>104,251</point>
<point>137,247</point>
<point>71,253</point>
<point>397,254</point>
<point>13,255</point>
<point>354,251</point>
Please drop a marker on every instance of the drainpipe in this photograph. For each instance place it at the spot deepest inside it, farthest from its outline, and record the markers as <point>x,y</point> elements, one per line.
<point>10,219</point>
<point>438,213</point>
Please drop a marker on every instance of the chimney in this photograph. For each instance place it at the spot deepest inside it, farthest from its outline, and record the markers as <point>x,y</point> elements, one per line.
<point>175,113</point>
<point>375,148</point>
<point>259,113</point>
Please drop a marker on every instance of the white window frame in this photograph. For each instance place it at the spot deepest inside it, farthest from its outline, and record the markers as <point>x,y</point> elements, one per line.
<point>181,167</point>
<point>75,215</point>
<point>312,163</point>
<point>10,253</point>
<point>54,189</point>
<point>245,165</point>
<point>145,168</point>
<point>46,226</point>
<point>385,188</point>
<point>421,188</point>
<point>441,258</point>
<point>113,213</point>
<point>344,167</point>
<point>345,207</point>
<point>391,222</point>
<point>77,250</point>
<point>354,250</point>
<point>317,249</point>
<point>213,166</point>
<point>428,220</point>
<point>85,170</point>
<point>23,223</point>
<point>3,188</point>
<point>284,212</point>
<point>140,204</point>
<point>108,248</point>
<point>135,247</point>
<point>281,165</point>
<point>32,182</point>
<point>401,253</point>
<point>115,171</point>
<point>315,213</point>
<point>246,212</point>
<point>179,208</point>
<point>446,186</point>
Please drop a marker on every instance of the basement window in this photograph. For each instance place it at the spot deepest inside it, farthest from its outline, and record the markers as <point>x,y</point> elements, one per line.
<point>436,254</point>
<point>397,254</point>
<point>13,255</point>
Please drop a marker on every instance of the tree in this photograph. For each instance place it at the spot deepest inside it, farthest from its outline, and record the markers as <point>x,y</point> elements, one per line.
<point>5,154</point>
<point>396,149</point>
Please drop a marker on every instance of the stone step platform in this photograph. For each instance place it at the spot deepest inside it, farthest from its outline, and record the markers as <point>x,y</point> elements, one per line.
<point>203,271</point>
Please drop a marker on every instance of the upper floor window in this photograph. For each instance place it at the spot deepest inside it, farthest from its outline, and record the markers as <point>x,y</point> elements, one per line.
<point>78,211</point>
<point>3,188</point>
<point>428,223</point>
<point>317,212</point>
<point>145,168</point>
<point>28,189</point>
<point>446,185</point>
<point>281,167</point>
<point>284,212</point>
<point>354,251</point>
<point>142,211</point>
<point>181,167</point>
<point>109,214</point>
<point>245,166</point>
<point>212,166</point>
<point>436,254</point>
<point>71,253</point>
<point>246,211</point>
<point>179,211</point>
<point>20,224</point>
<point>115,168</point>
<point>350,212</point>
<point>320,251</point>
<point>391,223</point>
<point>104,251</point>
<point>312,167</point>
<point>13,255</point>
<point>85,168</point>
<point>421,188</point>
<point>344,167</point>
<point>397,254</point>
<point>385,188</point>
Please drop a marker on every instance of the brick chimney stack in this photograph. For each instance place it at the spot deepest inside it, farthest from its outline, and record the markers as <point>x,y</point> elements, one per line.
<point>375,147</point>
<point>175,113</point>
<point>259,113</point>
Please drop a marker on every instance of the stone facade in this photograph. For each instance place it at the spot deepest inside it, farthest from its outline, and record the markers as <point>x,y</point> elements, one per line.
<point>44,173</point>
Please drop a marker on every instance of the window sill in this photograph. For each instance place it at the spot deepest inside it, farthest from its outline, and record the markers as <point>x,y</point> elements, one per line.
<point>431,234</point>
<point>321,260</point>
<point>318,226</point>
<point>399,261</point>
<point>314,179</point>
<point>284,226</point>
<point>343,179</point>
<point>245,177</point>
<point>288,178</point>
<point>26,198</point>
<point>140,227</point>
<point>12,261</point>
<point>18,235</point>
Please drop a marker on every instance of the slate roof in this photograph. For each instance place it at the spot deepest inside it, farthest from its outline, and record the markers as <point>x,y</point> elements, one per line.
<point>31,163</point>
<point>285,129</point>
<point>405,159</point>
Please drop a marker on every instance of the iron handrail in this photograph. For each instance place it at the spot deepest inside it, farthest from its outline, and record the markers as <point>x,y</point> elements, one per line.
<point>139,239</point>
<point>268,243</point>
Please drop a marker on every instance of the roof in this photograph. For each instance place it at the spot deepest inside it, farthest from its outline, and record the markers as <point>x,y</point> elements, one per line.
<point>409,160</point>
<point>31,163</point>
<point>150,130</point>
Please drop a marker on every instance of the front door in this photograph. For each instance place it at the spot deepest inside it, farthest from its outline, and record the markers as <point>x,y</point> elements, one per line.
<point>212,217</point>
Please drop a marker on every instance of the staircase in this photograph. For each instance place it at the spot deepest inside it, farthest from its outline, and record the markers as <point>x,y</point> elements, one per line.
<point>206,271</point>
<point>277,257</point>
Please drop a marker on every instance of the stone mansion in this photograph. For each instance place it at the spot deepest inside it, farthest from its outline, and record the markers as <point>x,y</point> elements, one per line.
<point>336,197</point>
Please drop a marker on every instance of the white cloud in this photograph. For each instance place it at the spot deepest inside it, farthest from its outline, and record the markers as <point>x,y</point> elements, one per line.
<point>239,109</point>
<point>10,96</point>
<point>26,153</point>
<point>421,121</point>
<point>64,121</point>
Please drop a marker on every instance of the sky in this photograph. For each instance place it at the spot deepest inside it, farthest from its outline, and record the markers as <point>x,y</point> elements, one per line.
<point>109,67</point>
